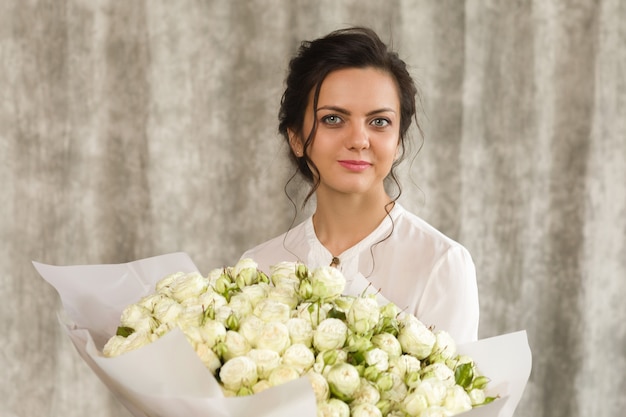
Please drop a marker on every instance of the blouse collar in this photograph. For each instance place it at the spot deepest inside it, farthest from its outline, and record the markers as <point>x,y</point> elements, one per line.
<point>319,255</point>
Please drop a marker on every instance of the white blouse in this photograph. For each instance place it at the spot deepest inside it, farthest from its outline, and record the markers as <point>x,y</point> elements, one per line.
<point>412,264</point>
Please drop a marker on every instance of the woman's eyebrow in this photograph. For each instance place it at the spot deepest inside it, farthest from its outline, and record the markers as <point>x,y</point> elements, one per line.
<point>345,111</point>
<point>381,110</point>
<point>335,109</point>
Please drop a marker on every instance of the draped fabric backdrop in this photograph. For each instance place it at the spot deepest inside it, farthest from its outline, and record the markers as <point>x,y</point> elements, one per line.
<point>136,128</point>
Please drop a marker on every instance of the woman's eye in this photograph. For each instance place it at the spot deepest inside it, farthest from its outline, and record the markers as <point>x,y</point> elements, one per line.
<point>380,122</point>
<point>331,119</point>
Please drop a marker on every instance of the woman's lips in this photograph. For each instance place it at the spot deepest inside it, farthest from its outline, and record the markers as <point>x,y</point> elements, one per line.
<point>355,166</point>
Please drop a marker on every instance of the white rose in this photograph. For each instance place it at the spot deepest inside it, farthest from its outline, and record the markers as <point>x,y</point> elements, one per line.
<point>407,319</point>
<point>162,329</point>
<point>213,276</point>
<point>477,396</point>
<point>457,400</point>
<point>261,386</point>
<point>390,311</point>
<point>191,316</point>
<point>327,283</point>
<point>366,393</point>
<point>333,408</point>
<point>282,374</point>
<point>240,305</point>
<point>389,343</point>
<point>343,380</point>
<point>190,285</point>
<point>363,315</point>
<point>238,372</point>
<point>445,346</point>
<point>414,403</point>
<point>439,371</point>
<point>114,346</point>
<point>166,310</point>
<point>300,331</point>
<point>365,410</point>
<point>212,300</point>
<point>377,358</point>
<point>139,339</point>
<point>285,295</point>
<point>193,335</point>
<point>266,360</point>
<point>344,302</point>
<point>299,356</point>
<point>397,366</point>
<point>284,274</point>
<point>434,390</point>
<point>274,336</point>
<point>320,386</point>
<point>120,344</point>
<point>163,285</point>
<point>330,334</point>
<point>245,273</point>
<point>191,301</point>
<point>222,314</point>
<point>208,357</point>
<point>311,312</point>
<point>434,411</point>
<point>244,264</point>
<point>271,310</point>
<point>398,390</point>
<point>236,345</point>
<point>212,332</point>
<point>358,343</point>
<point>150,300</point>
<point>256,292</point>
<point>417,340</point>
<point>326,359</point>
<point>138,318</point>
<point>250,328</point>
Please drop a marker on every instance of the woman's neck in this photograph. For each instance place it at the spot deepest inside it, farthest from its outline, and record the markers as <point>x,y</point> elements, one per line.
<point>342,222</point>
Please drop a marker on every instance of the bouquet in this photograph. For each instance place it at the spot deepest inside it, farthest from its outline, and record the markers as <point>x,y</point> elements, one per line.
<point>279,343</point>
<point>254,332</point>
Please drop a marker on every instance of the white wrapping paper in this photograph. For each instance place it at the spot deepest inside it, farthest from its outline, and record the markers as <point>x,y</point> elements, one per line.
<point>167,379</point>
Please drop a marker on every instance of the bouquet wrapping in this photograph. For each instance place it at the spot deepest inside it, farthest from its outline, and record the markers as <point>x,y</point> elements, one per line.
<point>167,377</point>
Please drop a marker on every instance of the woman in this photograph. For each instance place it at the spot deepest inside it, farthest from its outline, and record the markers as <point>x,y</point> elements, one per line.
<point>345,113</point>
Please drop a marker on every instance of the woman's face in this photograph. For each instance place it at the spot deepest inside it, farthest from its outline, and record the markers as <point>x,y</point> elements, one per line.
<point>358,125</point>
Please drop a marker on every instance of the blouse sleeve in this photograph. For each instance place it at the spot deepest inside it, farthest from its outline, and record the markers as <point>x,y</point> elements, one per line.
<point>450,299</point>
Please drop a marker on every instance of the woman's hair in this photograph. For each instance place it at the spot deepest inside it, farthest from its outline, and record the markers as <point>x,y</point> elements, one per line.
<point>355,47</point>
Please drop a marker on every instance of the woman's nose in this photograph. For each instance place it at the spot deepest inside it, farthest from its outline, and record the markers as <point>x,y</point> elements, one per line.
<point>358,137</point>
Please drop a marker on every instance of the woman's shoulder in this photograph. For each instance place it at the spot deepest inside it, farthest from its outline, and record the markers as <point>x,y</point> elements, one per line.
<point>413,228</point>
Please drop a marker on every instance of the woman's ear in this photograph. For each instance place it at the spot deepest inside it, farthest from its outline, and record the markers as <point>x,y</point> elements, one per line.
<point>295,143</point>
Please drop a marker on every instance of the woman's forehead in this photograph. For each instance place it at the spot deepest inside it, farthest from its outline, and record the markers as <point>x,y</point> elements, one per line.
<point>359,88</point>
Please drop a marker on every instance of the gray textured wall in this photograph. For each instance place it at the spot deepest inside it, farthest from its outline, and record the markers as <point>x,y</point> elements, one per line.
<point>135,128</point>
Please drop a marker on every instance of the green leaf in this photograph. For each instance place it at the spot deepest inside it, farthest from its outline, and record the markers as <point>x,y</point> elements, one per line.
<point>490,400</point>
<point>263,277</point>
<point>336,314</point>
<point>480,382</point>
<point>124,331</point>
<point>357,357</point>
<point>464,374</point>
